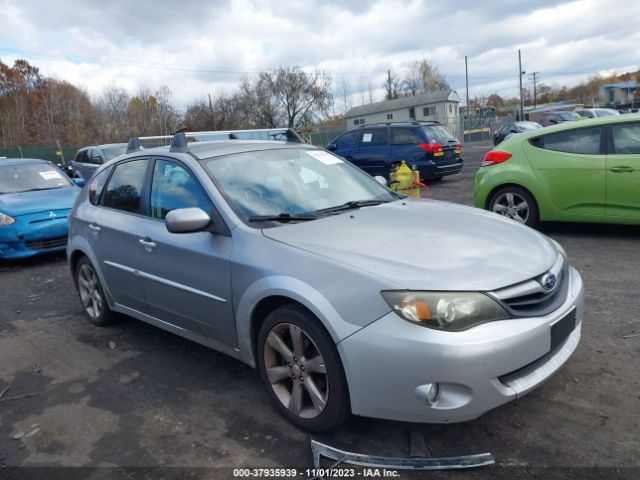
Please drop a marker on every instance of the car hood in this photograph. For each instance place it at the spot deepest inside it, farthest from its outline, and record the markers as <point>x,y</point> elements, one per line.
<point>426,245</point>
<point>24,203</point>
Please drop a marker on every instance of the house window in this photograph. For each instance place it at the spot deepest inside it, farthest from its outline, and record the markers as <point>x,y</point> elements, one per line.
<point>428,111</point>
<point>359,121</point>
<point>412,113</point>
<point>450,108</point>
<point>389,116</point>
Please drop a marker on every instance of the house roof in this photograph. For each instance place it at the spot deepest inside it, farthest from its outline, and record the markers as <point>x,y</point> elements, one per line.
<point>622,85</point>
<point>403,102</point>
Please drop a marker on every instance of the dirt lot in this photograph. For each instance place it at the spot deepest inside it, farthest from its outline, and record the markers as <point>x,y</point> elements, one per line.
<point>131,395</point>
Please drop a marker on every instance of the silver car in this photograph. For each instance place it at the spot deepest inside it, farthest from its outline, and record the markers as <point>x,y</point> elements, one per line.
<point>347,297</point>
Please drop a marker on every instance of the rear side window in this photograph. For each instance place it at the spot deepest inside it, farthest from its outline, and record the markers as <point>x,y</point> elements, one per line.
<point>403,136</point>
<point>348,140</point>
<point>374,137</point>
<point>585,141</point>
<point>626,138</point>
<point>437,134</point>
<point>97,185</point>
<point>125,186</point>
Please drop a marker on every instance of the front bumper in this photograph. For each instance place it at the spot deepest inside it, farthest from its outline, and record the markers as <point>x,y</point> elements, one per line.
<point>34,234</point>
<point>388,362</point>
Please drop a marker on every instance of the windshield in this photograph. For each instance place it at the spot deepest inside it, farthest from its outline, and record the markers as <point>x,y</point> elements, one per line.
<point>529,126</point>
<point>35,176</point>
<point>290,181</point>
<point>606,113</point>
<point>113,152</point>
<point>568,116</point>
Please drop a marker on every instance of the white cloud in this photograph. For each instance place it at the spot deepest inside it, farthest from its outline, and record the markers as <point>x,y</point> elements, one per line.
<point>199,47</point>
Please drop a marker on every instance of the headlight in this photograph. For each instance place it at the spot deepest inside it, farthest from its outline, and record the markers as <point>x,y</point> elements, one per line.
<point>6,220</point>
<point>558,247</point>
<point>450,311</point>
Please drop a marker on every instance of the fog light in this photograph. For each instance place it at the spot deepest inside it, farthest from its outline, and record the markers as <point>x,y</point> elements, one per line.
<point>428,393</point>
<point>432,392</point>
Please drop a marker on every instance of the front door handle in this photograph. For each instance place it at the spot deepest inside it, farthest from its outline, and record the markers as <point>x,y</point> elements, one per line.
<point>94,227</point>
<point>621,169</point>
<point>147,244</point>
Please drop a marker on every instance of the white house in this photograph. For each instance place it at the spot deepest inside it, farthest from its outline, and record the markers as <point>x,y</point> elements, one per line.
<point>441,106</point>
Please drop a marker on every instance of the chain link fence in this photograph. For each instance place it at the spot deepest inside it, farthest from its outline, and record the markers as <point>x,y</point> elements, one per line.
<point>53,154</point>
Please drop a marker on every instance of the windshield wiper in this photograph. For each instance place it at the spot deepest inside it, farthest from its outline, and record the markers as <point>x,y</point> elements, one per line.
<point>283,217</point>
<point>43,188</point>
<point>352,205</point>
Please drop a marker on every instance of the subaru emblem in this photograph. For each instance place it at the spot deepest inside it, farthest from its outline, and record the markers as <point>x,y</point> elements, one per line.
<point>548,281</point>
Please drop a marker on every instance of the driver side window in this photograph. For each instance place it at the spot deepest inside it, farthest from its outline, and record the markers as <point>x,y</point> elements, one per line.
<point>174,187</point>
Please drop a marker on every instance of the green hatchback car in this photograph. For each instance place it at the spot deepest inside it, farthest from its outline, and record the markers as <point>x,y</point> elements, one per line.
<point>586,171</point>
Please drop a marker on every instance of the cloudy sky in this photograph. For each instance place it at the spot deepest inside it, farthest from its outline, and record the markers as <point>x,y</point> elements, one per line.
<point>199,47</point>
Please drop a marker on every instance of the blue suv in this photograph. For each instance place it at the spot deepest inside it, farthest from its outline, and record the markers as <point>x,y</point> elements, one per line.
<point>377,148</point>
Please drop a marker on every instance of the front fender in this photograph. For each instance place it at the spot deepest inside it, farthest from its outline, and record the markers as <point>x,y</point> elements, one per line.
<point>296,290</point>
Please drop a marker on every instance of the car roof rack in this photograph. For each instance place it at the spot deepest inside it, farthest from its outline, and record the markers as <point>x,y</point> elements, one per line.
<point>411,122</point>
<point>180,140</point>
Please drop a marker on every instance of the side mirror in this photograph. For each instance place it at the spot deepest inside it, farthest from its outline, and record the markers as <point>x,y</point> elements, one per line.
<point>79,182</point>
<point>187,220</point>
<point>554,122</point>
<point>381,180</point>
<point>332,147</point>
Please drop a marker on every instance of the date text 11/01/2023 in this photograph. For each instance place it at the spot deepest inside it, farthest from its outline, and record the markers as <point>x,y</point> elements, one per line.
<point>315,473</point>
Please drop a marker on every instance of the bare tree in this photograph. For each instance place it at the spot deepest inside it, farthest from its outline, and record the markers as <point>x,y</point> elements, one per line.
<point>344,92</point>
<point>423,76</point>
<point>112,107</point>
<point>299,94</point>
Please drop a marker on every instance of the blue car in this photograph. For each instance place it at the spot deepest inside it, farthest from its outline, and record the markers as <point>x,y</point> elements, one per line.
<point>35,200</point>
<point>379,148</point>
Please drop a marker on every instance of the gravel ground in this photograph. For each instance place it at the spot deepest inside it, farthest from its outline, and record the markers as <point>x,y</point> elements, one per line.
<point>134,396</point>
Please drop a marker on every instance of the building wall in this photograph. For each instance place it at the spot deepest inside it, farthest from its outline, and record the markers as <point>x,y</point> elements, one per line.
<point>445,112</point>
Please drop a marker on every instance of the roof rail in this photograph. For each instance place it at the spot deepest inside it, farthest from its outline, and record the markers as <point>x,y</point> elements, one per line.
<point>179,141</point>
<point>400,122</point>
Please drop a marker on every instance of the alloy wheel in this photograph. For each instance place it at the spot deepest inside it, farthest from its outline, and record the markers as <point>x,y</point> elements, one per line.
<point>89,291</point>
<point>296,370</point>
<point>512,205</point>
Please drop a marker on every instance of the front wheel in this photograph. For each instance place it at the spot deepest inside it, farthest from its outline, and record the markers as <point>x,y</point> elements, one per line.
<point>299,363</point>
<point>516,203</point>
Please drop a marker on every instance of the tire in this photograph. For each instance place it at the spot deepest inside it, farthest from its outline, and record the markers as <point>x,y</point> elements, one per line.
<point>316,377</point>
<point>516,203</point>
<point>91,294</point>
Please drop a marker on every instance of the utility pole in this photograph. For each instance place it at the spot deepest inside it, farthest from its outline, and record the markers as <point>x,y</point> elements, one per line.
<point>389,93</point>
<point>520,72</point>
<point>535,77</point>
<point>466,110</point>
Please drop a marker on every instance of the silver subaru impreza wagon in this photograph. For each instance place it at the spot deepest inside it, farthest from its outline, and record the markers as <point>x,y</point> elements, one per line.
<point>347,297</point>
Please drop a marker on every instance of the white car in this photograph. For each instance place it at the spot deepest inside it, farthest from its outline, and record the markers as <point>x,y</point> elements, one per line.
<point>597,112</point>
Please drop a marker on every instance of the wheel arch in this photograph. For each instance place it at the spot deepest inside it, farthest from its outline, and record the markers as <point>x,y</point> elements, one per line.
<point>267,294</point>
<point>494,190</point>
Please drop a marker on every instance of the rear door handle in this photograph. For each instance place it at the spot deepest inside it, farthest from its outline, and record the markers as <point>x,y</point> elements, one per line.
<point>621,169</point>
<point>147,244</point>
<point>94,227</point>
